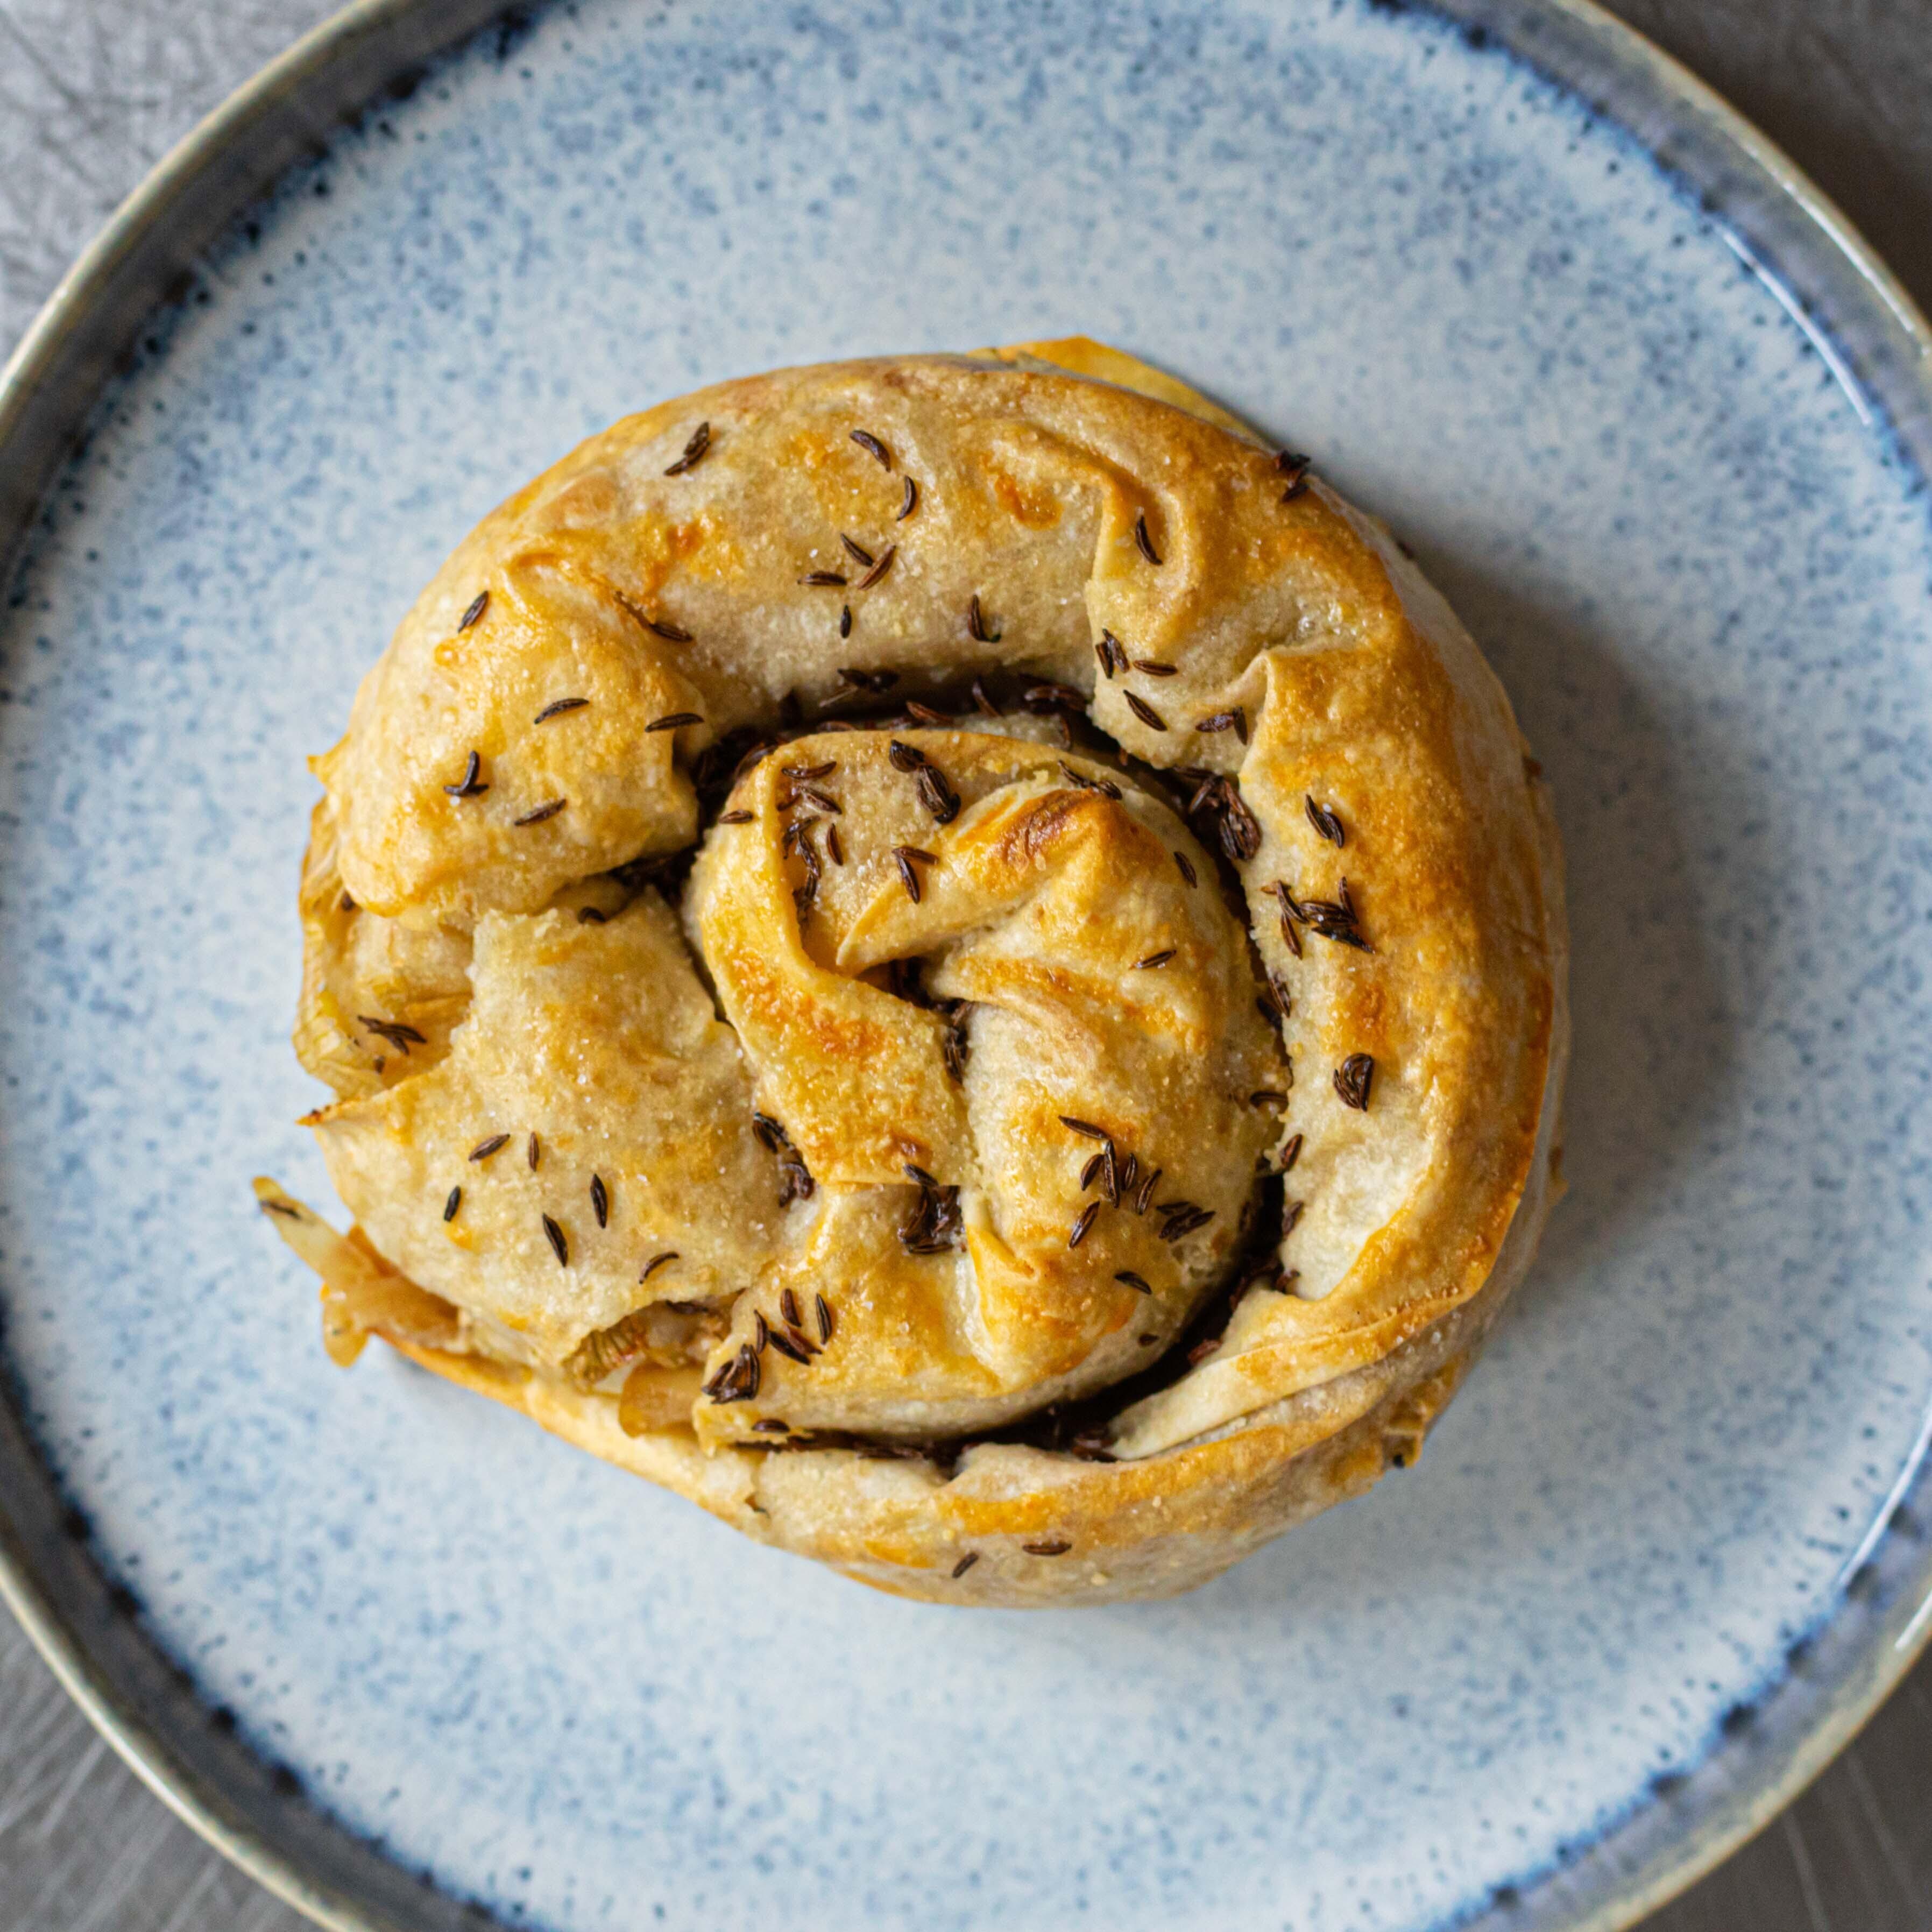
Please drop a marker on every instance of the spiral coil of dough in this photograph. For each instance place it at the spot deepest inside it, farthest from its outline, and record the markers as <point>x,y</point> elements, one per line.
<point>1064,1161</point>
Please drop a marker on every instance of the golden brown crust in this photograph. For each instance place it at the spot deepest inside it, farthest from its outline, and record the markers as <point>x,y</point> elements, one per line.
<point>1393,848</point>
<point>1041,899</point>
<point>620,1110</point>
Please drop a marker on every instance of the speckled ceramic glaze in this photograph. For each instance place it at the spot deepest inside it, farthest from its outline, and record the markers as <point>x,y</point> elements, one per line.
<point>1699,563</point>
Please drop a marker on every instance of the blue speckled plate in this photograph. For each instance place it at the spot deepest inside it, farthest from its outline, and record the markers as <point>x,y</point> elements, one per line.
<point>1656,430</point>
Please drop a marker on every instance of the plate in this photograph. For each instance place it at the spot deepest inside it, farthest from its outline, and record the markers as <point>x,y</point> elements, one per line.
<point>1652,418</point>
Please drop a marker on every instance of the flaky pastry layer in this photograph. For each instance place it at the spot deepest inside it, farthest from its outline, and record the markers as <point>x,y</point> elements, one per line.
<point>977,1050</point>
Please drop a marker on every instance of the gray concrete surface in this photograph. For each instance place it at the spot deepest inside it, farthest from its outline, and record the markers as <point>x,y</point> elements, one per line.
<point>93,91</point>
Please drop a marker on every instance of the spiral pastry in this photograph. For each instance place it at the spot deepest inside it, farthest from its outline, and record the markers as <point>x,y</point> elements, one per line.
<point>948,957</point>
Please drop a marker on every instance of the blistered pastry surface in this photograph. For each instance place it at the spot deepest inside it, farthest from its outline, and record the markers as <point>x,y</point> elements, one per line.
<point>1286,937</point>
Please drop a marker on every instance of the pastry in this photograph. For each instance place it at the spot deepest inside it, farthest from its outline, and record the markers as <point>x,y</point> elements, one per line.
<point>949,956</point>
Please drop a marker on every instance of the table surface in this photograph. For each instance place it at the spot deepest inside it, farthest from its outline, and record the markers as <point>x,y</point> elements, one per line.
<point>93,92</point>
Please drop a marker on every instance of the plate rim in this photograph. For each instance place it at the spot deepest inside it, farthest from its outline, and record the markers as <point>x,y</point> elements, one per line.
<point>50,384</point>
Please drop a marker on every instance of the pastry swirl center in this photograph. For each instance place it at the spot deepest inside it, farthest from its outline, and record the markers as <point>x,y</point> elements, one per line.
<point>992,1004</point>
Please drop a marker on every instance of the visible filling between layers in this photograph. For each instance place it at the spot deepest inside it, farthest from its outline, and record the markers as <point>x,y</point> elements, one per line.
<point>938,1096</point>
